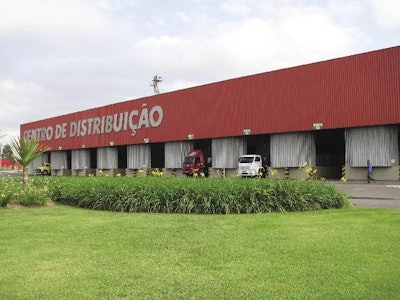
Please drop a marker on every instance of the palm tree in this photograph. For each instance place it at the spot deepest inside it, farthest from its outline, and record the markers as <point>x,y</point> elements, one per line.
<point>25,151</point>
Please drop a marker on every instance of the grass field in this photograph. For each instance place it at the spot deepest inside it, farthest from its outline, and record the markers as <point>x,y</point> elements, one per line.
<point>62,252</point>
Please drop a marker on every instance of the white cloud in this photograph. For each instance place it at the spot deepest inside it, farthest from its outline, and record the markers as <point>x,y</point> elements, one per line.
<point>236,9</point>
<point>386,12</point>
<point>255,45</point>
<point>18,99</point>
<point>18,93</point>
<point>316,36</point>
<point>184,17</point>
<point>163,41</point>
<point>49,16</point>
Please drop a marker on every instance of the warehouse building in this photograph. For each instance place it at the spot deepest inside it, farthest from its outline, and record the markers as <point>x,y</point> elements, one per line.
<point>332,115</point>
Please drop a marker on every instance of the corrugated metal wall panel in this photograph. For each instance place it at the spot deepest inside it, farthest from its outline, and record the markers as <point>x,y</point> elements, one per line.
<point>359,90</point>
<point>226,151</point>
<point>379,144</point>
<point>139,156</point>
<point>175,152</point>
<point>290,150</point>
<point>80,159</point>
<point>107,158</point>
<point>59,160</point>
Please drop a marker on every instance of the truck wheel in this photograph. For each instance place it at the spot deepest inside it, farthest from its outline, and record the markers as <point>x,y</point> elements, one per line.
<point>45,172</point>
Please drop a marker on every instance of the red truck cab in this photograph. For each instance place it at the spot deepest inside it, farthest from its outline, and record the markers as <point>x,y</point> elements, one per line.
<point>194,163</point>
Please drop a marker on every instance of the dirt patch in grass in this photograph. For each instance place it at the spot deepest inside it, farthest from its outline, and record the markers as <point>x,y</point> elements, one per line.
<point>19,206</point>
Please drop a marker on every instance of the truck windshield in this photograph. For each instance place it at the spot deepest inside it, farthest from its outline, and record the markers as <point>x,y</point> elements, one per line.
<point>188,160</point>
<point>246,160</point>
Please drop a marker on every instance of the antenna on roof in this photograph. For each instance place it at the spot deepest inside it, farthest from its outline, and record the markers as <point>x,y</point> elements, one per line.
<point>154,84</point>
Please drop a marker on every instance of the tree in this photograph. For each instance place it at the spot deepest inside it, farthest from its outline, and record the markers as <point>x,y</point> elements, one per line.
<point>25,151</point>
<point>1,154</point>
<point>7,152</point>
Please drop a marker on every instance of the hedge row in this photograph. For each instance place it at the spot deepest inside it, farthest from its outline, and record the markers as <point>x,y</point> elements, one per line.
<point>35,193</point>
<point>196,195</point>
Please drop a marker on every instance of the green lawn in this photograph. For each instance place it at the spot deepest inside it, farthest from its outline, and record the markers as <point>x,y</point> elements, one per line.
<point>62,252</point>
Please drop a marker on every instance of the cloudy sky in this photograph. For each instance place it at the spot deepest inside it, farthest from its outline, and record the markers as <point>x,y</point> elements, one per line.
<point>62,56</point>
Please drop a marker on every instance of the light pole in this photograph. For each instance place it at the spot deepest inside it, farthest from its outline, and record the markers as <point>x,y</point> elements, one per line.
<point>154,83</point>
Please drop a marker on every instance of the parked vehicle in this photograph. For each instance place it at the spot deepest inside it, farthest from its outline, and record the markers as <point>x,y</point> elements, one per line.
<point>45,169</point>
<point>251,165</point>
<point>6,163</point>
<point>195,163</point>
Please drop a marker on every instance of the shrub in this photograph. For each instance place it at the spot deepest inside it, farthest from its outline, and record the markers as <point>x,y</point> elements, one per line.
<point>35,193</point>
<point>7,191</point>
<point>5,198</point>
<point>191,195</point>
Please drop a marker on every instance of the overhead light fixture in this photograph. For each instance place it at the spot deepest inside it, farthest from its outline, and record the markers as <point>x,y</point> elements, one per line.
<point>59,148</point>
<point>146,140</point>
<point>191,136</point>
<point>246,131</point>
<point>83,146</point>
<point>111,143</point>
<point>318,126</point>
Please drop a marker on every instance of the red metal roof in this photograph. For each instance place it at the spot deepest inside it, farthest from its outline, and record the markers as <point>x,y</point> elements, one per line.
<point>358,90</point>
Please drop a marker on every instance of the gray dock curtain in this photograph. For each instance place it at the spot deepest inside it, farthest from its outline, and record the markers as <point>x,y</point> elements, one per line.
<point>59,160</point>
<point>290,150</point>
<point>226,151</point>
<point>378,144</point>
<point>80,159</point>
<point>175,152</point>
<point>139,156</point>
<point>107,158</point>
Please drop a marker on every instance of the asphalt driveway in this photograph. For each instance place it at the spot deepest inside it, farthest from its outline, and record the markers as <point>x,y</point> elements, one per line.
<point>10,173</point>
<point>380,194</point>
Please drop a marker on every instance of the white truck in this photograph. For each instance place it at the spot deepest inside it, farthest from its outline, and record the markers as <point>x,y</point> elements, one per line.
<point>251,165</point>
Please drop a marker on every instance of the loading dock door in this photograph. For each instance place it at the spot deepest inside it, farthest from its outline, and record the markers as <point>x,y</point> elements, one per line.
<point>330,148</point>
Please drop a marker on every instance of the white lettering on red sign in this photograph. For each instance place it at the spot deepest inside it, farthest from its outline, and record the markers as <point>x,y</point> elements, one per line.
<point>133,120</point>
